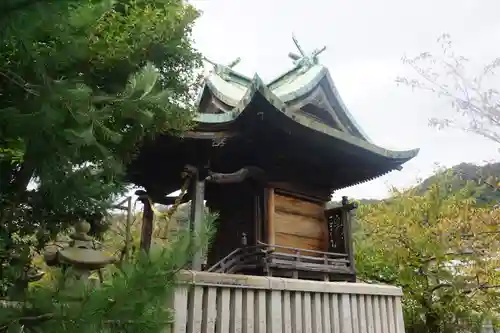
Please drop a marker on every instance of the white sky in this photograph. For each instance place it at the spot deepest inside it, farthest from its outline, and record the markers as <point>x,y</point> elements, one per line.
<point>365,41</point>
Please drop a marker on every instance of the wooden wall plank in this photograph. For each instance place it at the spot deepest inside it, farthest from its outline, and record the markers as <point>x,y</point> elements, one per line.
<point>300,224</point>
<point>292,205</point>
<point>298,242</point>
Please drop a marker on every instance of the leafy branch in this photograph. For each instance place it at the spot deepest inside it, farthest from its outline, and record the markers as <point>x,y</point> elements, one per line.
<point>473,100</point>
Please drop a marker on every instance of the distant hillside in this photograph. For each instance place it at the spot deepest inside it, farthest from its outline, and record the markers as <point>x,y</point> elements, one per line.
<point>485,179</point>
<point>368,201</point>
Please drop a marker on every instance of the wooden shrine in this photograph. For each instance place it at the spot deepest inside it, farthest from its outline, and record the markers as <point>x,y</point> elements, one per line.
<point>267,158</point>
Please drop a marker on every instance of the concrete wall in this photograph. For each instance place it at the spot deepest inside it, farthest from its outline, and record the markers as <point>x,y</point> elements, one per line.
<point>219,303</point>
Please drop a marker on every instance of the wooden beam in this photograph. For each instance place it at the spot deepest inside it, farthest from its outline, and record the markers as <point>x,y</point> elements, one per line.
<point>271,232</point>
<point>236,177</point>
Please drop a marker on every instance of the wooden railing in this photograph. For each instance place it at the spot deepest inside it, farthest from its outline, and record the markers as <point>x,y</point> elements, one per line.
<point>269,257</point>
<point>305,252</point>
<point>264,255</point>
<point>241,258</point>
<point>209,303</point>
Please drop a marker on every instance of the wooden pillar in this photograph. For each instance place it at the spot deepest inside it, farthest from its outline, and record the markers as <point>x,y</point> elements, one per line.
<point>257,221</point>
<point>197,217</point>
<point>271,231</point>
<point>147,224</point>
<point>346,221</point>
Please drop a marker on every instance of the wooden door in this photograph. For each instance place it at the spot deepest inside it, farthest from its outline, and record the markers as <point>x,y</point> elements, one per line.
<point>299,224</point>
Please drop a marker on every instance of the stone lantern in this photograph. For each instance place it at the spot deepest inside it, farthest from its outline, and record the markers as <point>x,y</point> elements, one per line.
<point>79,253</point>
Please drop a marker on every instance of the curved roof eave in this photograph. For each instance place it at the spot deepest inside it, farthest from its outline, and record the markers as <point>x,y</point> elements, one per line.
<point>258,87</point>
<point>227,92</point>
<point>290,86</point>
<point>344,107</point>
<point>375,176</point>
<point>312,77</point>
<point>297,82</point>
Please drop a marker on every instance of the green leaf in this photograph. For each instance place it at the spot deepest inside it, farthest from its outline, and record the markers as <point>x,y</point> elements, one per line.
<point>142,83</point>
<point>110,135</point>
<point>83,137</point>
<point>144,116</point>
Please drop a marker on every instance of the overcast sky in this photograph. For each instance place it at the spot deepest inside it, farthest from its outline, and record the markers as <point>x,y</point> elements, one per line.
<point>365,42</point>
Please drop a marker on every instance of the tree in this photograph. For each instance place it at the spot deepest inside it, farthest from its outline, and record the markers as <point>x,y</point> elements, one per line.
<point>441,249</point>
<point>474,97</point>
<point>134,297</point>
<point>82,85</point>
<point>167,223</point>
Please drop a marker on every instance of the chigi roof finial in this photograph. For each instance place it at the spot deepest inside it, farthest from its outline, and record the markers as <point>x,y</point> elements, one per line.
<point>221,70</point>
<point>234,62</point>
<point>230,65</point>
<point>304,58</point>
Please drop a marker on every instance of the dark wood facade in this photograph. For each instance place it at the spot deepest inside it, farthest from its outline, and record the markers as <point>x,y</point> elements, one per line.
<point>299,223</point>
<point>266,229</point>
<point>267,158</point>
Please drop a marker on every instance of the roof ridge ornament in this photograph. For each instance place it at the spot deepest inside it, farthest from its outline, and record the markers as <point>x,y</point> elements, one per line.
<point>305,60</point>
<point>220,69</point>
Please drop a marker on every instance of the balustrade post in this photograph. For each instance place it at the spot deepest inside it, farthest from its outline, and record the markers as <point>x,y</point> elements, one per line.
<point>346,221</point>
